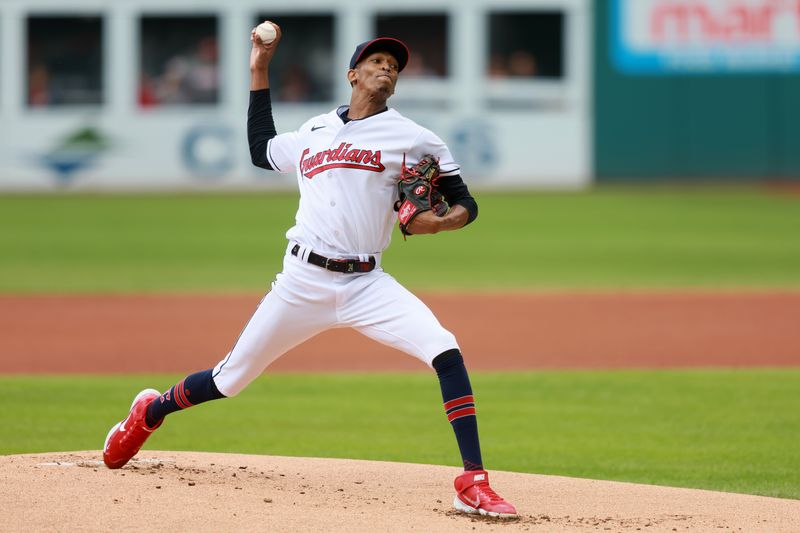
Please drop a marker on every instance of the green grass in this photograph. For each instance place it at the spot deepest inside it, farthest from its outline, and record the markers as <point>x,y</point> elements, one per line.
<point>606,238</point>
<point>723,430</point>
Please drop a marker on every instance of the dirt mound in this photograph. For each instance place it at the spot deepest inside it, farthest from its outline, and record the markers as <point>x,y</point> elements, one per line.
<point>179,491</point>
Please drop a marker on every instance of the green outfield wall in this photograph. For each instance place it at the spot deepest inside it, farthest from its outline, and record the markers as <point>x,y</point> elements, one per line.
<point>706,124</point>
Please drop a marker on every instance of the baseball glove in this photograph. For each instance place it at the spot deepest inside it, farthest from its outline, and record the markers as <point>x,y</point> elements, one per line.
<point>418,192</point>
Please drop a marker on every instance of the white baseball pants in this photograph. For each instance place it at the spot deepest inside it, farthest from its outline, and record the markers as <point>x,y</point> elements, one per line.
<point>306,300</point>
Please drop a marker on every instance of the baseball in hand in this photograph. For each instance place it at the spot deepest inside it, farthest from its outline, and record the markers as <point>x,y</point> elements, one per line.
<point>266,31</point>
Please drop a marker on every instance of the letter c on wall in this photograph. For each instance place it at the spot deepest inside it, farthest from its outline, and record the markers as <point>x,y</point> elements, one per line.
<point>208,150</point>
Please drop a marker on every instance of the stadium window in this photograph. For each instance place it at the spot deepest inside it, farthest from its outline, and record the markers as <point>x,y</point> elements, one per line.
<point>303,70</point>
<point>526,45</point>
<point>65,60</point>
<point>426,37</point>
<point>179,60</point>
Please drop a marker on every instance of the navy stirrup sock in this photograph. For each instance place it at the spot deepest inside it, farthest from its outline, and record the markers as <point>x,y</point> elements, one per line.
<point>459,404</point>
<point>194,389</point>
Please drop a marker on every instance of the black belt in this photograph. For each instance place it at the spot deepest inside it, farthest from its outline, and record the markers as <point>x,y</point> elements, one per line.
<point>347,266</point>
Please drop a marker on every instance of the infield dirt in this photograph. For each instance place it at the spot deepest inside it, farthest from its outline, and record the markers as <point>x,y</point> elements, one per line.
<point>171,491</point>
<point>185,333</point>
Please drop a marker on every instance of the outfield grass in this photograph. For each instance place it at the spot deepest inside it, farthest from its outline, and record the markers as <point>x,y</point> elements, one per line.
<point>607,238</point>
<point>724,430</point>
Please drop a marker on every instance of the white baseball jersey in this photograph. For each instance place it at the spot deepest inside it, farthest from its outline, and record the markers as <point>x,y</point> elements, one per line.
<point>347,175</point>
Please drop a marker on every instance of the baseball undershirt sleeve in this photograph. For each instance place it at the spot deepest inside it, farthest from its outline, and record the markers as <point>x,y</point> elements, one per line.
<point>260,127</point>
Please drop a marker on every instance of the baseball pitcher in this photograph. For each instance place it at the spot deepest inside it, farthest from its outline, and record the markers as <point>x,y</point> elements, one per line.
<point>359,168</point>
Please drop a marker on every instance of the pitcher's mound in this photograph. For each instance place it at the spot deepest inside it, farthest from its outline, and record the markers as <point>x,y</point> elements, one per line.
<point>179,491</point>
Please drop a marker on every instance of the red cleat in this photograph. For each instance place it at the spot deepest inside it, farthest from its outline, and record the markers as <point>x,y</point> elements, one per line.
<point>474,495</point>
<point>126,437</point>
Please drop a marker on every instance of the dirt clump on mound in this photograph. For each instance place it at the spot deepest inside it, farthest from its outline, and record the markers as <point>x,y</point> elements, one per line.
<point>182,491</point>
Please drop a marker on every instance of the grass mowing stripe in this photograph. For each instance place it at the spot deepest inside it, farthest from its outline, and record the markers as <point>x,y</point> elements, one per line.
<point>609,237</point>
<point>724,430</point>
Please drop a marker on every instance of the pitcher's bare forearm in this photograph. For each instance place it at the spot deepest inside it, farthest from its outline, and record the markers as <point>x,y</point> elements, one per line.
<point>259,79</point>
<point>427,223</point>
<point>464,209</point>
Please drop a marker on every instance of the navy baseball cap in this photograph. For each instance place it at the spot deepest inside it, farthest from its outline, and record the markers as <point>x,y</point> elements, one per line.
<point>396,47</point>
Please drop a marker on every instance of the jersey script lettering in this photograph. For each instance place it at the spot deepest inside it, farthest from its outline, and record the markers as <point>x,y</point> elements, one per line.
<point>341,157</point>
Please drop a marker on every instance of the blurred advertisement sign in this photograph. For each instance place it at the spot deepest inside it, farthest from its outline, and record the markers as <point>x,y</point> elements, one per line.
<point>705,36</point>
